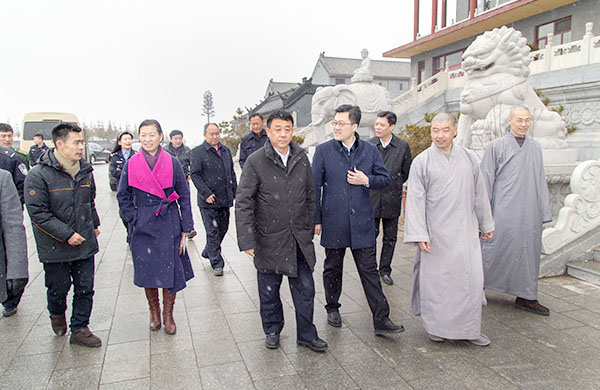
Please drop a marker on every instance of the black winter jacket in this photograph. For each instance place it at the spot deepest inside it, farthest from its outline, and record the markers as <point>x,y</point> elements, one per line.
<point>212,174</point>
<point>275,208</point>
<point>250,144</point>
<point>387,202</point>
<point>182,155</point>
<point>9,161</point>
<point>60,206</point>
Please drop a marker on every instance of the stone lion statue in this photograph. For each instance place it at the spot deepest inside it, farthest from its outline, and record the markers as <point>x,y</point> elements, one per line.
<point>497,67</point>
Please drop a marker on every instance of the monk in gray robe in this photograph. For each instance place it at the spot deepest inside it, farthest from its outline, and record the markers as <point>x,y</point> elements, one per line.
<point>516,183</point>
<point>447,207</point>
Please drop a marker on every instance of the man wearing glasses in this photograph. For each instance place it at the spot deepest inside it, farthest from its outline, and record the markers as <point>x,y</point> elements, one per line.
<point>344,169</point>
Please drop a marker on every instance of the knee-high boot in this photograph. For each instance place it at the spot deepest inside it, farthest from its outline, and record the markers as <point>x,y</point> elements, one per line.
<point>168,302</point>
<point>153,302</point>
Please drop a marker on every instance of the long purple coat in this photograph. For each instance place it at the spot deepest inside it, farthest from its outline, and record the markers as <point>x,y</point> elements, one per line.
<point>155,238</point>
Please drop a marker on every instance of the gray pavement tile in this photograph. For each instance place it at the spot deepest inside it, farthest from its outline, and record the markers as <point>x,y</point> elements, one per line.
<point>102,317</point>
<point>235,302</point>
<point>75,378</point>
<point>587,301</point>
<point>246,327</point>
<point>161,342</point>
<point>263,363</point>
<point>133,303</point>
<point>135,384</point>
<point>586,317</point>
<point>226,376</point>
<point>163,376</point>
<point>283,382</point>
<point>41,339</point>
<point>199,296</point>
<point>527,375</point>
<point>105,296</point>
<point>9,349</point>
<point>19,325</point>
<point>375,375</point>
<point>73,356</point>
<point>107,279</point>
<point>126,361</point>
<point>215,348</point>
<point>352,354</point>
<point>131,327</point>
<point>438,381</point>
<point>556,305</point>
<point>225,284</point>
<point>29,372</point>
<point>206,319</point>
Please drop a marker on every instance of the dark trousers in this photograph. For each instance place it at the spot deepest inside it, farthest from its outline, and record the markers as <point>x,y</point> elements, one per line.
<point>12,299</point>
<point>302,288</point>
<point>366,264</point>
<point>216,223</point>
<point>390,236</point>
<point>59,277</point>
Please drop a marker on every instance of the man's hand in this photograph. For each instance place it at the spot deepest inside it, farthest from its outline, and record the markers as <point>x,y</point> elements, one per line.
<point>357,178</point>
<point>249,252</point>
<point>487,236</point>
<point>97,232</point>
<point>210,199</point>
<point>425,247</point>
<point>75,240</point>
<point>318,229</point>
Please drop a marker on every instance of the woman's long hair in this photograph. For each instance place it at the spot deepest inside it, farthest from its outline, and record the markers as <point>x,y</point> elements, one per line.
<point>117,146</point>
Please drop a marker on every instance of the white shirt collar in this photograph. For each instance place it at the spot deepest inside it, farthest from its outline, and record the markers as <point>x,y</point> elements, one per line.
<point>284,158</point>
<point>385,144</point>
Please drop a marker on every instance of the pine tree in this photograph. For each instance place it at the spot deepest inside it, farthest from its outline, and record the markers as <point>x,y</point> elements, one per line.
<point>208,106</point>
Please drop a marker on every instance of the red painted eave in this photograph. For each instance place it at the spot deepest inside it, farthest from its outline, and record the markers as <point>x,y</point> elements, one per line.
<point>501,16</point>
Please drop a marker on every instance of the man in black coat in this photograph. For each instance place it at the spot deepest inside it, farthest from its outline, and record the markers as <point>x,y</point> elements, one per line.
<point>214,178</point>
<point>387,202</point>
<point>275,217</point>
<point>9,161</point>
<point>37,149</point>
<point>59,194</point>
<point>254,140</point>
<point>177,149</point>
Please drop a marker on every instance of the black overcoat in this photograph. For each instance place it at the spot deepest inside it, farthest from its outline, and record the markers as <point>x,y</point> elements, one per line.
<point>275,208</point>
<point>212,174</point>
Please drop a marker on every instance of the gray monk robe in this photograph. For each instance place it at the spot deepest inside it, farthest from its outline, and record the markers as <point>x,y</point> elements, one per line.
<point>516,184</point>
<point>447,205</point>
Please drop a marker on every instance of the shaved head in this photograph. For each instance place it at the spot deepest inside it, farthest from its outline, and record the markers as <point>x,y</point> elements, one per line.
<point>516,109</point>
<point>444,117</point>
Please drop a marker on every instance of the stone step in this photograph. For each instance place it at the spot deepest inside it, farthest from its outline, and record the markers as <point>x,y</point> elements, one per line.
<point>588,270</point>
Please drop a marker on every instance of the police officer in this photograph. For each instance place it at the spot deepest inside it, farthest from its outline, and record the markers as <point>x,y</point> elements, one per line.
<point>9,161</point>
<point>6,140</point>
<point>37,149</point>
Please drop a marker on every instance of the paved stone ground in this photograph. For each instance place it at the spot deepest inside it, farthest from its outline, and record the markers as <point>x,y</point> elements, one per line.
<point>220,343</point>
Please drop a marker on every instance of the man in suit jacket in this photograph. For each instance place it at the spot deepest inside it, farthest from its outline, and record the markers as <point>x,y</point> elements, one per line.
<point>213,175</point>
<point>387,202</point>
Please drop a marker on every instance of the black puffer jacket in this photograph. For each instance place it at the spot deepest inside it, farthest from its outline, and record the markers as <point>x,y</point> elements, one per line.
<point>60,206</point>
<point>275,208</point>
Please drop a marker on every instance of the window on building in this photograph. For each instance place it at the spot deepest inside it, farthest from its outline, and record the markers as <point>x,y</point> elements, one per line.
<point>561,29</point>
<point>340,81</point>
<point>454,59</point>
<point>420,72</point>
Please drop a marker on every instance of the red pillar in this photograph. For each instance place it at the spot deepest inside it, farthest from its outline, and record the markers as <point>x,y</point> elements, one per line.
<point>433,15</point>
<point>444,12</point>
<point>472,8</point>
<point>416,20</point>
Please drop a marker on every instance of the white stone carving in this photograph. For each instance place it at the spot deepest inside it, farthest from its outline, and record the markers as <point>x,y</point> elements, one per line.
<point>581,211</point>
<point>363,74</point>
<point>587,115</point>
<point>497,67</point>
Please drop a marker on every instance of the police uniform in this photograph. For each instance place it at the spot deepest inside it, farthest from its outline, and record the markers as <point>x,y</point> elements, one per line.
<point>35,152</point>
<point>10,161</point>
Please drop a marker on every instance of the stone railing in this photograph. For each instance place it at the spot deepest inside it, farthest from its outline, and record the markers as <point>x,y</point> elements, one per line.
<point>581,211</point>
<point>552,57</point>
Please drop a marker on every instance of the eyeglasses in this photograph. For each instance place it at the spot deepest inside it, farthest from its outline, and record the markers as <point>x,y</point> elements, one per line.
<point>340,123</point>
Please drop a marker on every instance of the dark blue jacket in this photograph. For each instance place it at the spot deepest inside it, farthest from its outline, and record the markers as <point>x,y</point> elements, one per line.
<point>250,144</point>
<point>117,162</point>
<point>212,174</point>
<point>36,152</point>
<point>344,210</point>
<point>9,161</point>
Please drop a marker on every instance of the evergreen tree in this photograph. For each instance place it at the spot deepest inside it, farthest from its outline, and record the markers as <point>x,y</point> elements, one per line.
<point>208,106</point>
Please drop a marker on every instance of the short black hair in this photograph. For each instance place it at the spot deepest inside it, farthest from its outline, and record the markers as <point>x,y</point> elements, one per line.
<point>390,116</point>
<point>174,133</point>
<point>280,114</point>
<point>117,147</point>
<point>211,123</point>
<point>62,130</point>
<point>5,128</point>
<point>354,113</point>
<point>262,118</point>
<point>151,122</point>
<point>39,135</point>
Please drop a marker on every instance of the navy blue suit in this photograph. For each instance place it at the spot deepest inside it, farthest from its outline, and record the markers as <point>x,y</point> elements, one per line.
<point>346,215</point>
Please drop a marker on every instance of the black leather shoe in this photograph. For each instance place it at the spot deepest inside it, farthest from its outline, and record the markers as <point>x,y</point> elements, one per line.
<point>388,327</point>
<point>272,340</point>
<point>316,345</point>
<point>8,312</point>
<point>387,279</point>
<point>334,319</point>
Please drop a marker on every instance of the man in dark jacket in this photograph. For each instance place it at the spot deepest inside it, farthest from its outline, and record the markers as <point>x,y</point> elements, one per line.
<point>59,194</point>
<point>13,164</point>
<point>7,139</point>
<point>177,149</point>
<point>37,149</point>
<point>387,202</point>
<point>13,247</point>
<point>345,168</point>
<point>214,178</point>
<point>274,214</point>
<point>254,140</point>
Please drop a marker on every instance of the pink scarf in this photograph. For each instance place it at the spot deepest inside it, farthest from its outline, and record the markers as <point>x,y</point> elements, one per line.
<point>152,181</point>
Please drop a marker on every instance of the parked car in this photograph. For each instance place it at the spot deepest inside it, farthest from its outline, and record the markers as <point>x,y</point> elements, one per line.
<point>97,153</point>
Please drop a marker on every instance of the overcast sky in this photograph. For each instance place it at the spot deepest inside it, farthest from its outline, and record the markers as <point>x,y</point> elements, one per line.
<point>131,60</point>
